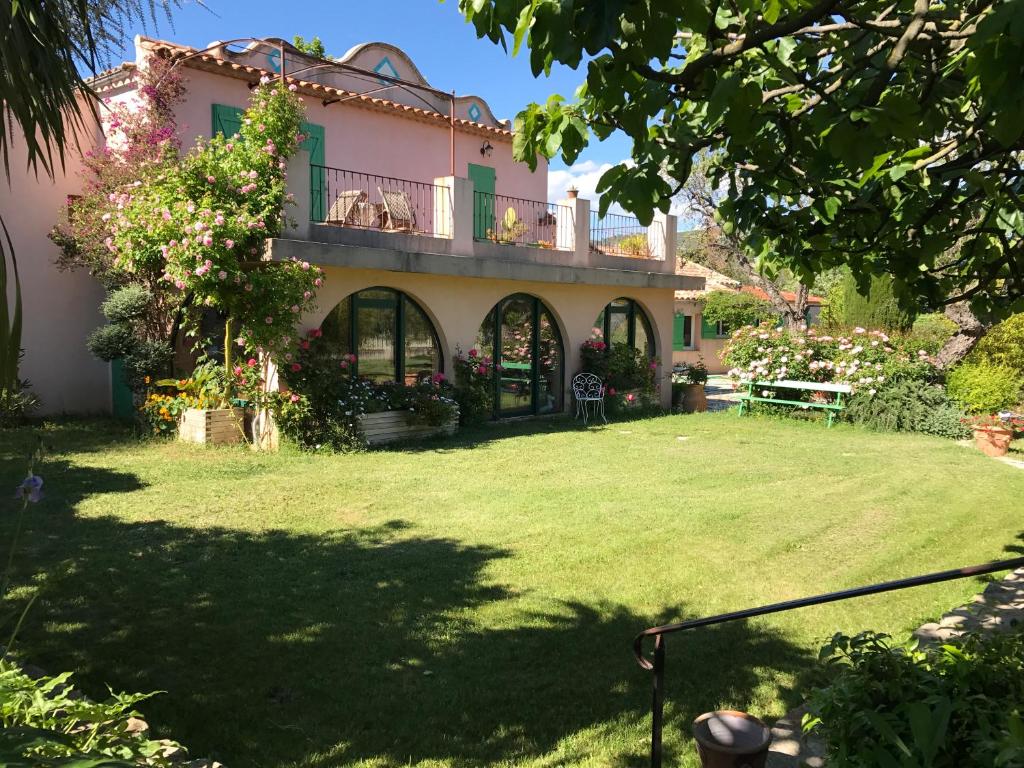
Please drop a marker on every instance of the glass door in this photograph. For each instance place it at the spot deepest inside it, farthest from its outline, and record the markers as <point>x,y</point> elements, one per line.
<point>515,379</point>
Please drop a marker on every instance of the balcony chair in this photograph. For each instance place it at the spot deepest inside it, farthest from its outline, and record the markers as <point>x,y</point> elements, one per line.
<point>400,216</point>
<point>347,209</point>
<point>586,389</point>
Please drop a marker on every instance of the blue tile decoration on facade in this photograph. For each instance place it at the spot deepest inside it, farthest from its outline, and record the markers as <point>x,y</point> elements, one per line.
<point>386,68</point>
<point>274,60</point>
<point>474,112</point>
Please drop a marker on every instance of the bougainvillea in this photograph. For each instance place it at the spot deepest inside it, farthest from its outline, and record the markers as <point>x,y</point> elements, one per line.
<point>204,220</point>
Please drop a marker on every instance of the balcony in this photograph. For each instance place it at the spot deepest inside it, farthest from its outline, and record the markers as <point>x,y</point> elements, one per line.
<point>409,225</point>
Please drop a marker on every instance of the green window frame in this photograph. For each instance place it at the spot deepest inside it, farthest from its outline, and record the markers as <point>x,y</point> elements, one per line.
<point>401,303</point>
<point>634,314</point>
<point>227,120</point>
<point>717,330</point>
<point>493,324</point>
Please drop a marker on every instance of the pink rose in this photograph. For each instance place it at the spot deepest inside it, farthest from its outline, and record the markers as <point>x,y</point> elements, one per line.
<point>229,244</point>
<point>251,362</point>
<point>268,320</point>
<point>473,353</point>
<point>294,398</point>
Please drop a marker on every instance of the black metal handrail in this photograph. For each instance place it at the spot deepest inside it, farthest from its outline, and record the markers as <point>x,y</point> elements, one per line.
<point>658,633</point>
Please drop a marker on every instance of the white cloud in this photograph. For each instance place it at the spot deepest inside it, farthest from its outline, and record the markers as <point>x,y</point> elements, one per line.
<point>584,176</point>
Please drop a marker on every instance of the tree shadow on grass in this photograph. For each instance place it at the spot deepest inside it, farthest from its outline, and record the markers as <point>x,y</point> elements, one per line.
<point>282,648</point>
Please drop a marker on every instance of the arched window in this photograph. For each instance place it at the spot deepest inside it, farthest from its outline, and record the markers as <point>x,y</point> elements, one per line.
<point>391,336</point>
<point>528,357</point>
<point>624,321</point>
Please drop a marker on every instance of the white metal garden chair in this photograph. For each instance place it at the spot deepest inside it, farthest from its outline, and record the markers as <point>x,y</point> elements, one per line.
<point>586,389</point>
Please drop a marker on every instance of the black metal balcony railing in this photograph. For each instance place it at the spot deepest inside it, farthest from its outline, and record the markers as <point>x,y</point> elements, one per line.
<point>345,198</point>
<point>618,235</point>
<point>515,221</point>
<point>657,666</point>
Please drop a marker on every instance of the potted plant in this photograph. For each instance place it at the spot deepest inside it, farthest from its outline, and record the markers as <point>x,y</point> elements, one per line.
<point>993,433</point>
<point>688,388</point>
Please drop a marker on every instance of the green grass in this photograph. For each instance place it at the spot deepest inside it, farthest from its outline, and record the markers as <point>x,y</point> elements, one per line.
<point>474,603</point>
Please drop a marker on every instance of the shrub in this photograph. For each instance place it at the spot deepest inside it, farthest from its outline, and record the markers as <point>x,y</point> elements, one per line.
<point>126,337</point>
<point>878,309</point>
<point>1003,344</point>
<point>736,309</point>
<point>864,359</point>
<point>955,705</point>
<point>908,405</point>
<point>985,387</point>
<point>127,304</point>
<point>474,387</point>
<point>932,331</point>
<point>16,405</point>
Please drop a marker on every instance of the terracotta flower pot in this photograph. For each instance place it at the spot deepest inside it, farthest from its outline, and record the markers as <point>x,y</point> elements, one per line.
<point>993,441</point>
<point>694,399</point>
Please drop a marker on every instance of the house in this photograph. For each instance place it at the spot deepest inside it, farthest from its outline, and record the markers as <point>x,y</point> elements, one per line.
<point>693,338</point>
<point>434,241</point>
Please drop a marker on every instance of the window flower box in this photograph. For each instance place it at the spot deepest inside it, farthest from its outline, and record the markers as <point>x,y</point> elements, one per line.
<point>398,426</point>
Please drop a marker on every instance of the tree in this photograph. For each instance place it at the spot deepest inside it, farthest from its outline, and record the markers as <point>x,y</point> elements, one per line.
<point>876,309</point>
<point>314,47</point>
<point>734,310</point>
<point>703,198</point>
<point>882,135</point>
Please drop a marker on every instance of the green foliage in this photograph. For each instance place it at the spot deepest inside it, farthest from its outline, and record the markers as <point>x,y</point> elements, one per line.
<point>126,337</point>
<point>696,373</point>
<point>474,387</point>
<point>908,405</point>
<point>47,723</point>
<point>127,304</point>
<point>16,405</point>
<point>314,46</point>
<point>932,331</point>
<point>944,707</point>
<point>985,387</point>
<point>1003,344</point>
<point>10,317</point>
<point>878,309</point>
<point>736,309</point>
<point>902,168</point>
<point>202,222</point>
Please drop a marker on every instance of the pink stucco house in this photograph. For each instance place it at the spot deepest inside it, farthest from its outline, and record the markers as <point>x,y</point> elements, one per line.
<point>433,239</point>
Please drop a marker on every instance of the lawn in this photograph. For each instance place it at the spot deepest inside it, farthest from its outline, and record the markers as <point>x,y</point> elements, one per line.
<point>474,603</point>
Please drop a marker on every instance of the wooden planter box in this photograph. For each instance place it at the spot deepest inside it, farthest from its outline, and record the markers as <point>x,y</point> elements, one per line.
<point>394,426</point>
<point>221,426</point>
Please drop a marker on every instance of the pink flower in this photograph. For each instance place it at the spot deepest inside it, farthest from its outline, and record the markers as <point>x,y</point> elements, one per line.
<point>238,370</point>
<point>251,362</point>
<point>229,244</point>
<point>611,390</point>
<point>222,275</point>
<point>481,369</point>
<point>343,364</point>
<point>268,320</point>
<point>294,398</point>
<point>304,344</point>
<point>305,265</point>
<point>211,180</point>
<point>318,282</point>
<point>295,309</point>
<point>307,295</point>
<point>473,353</point>
<point>293,88</point>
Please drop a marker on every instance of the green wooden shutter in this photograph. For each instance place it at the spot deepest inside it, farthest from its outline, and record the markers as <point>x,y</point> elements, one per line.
<point>314,144</point>
<point>708,330</point>
<point>483,178</point>
<point>227,120</point>
<point>679,332</point>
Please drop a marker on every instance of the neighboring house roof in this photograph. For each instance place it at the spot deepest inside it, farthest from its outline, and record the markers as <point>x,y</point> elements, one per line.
<point>787,295</point>
<point>713,281</point>
<point>716,281</point>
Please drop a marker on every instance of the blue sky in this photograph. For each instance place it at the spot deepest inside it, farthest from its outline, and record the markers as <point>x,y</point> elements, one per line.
<point>434,34</point>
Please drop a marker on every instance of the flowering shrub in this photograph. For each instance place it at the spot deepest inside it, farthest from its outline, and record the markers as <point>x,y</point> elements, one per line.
<point>202,223</point>
<point>474,386</point>
<point>865,360</point>
<point>622,368</point>
<point>320,405</point>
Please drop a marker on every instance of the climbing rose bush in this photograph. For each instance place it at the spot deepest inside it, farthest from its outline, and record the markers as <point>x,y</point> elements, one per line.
<point>204,222</point>
<point>864,359</point>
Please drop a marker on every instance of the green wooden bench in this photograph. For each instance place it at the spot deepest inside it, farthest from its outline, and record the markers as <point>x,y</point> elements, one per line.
<point>833,406</point>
